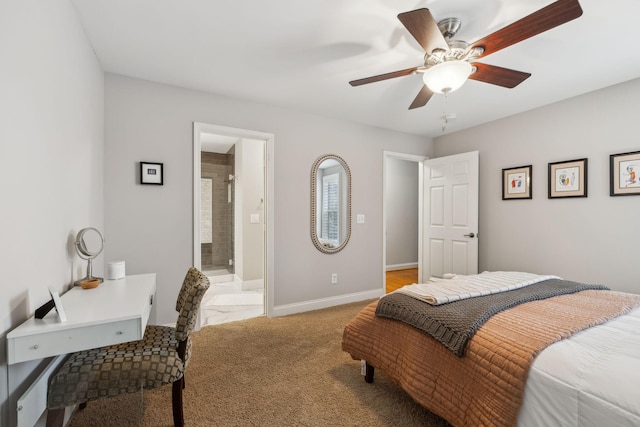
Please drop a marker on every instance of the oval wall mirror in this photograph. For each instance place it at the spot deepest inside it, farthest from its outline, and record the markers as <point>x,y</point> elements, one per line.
<point>330,203</point>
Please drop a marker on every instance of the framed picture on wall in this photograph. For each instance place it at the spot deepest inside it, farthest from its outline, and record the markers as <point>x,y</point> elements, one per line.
<point>624,171</point>
<point>568,179</point>
<point>516,183</point>
<point>151,173</point>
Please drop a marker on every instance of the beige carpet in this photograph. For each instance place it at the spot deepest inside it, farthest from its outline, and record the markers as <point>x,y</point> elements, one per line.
<point>285,371</point>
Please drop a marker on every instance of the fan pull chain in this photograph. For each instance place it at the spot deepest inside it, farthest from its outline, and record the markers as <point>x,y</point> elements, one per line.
<point>444,111</point>
<point>446,117</point>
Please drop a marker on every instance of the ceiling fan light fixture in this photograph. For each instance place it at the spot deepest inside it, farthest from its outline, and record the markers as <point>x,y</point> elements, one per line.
<point>447,76</point>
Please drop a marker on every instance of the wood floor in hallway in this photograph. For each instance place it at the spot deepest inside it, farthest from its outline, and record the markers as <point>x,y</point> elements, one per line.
<point>398,278</point>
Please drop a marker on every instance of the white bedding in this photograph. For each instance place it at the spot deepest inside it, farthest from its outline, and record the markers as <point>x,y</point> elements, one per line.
<point>590,379</point>
<point>458,287</point>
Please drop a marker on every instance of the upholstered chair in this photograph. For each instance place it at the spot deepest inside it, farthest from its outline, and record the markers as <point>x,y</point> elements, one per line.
<point>158,359</point>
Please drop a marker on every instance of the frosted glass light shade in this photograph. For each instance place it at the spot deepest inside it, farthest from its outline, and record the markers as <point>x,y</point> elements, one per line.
<point>447,76</point>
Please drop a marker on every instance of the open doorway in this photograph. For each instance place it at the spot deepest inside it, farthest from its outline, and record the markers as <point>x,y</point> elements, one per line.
<point>231,216</point>
<point>217,206</point>
<point>402,225</point>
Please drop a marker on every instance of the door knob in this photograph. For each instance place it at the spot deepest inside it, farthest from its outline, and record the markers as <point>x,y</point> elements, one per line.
<point>472,235</point>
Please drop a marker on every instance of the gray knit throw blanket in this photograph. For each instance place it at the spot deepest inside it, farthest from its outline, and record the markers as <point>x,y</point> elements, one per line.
<point>453,324</point>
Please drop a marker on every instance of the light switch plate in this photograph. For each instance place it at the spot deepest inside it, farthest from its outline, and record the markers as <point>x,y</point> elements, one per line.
<point>360,218</point>
<point>254,218</point>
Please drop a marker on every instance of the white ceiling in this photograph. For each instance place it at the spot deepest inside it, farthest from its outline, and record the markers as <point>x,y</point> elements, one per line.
<point>302,54</point>
<point>213,143</point>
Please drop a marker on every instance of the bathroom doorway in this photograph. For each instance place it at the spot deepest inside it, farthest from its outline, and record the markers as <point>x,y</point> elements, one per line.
<point>217,203</point>
<point>231,221</point>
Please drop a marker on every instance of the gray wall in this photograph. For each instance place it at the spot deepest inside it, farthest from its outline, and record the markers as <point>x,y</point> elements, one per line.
<point>51,144</point>
<point>401,207</point>
<point>151,226</point>
<point>593,239</point>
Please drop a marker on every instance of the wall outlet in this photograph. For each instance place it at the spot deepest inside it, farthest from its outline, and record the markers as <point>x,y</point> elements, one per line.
<point>334,278</point>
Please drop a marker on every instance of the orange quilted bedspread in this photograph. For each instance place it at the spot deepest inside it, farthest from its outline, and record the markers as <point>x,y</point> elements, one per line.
<point>485,386</point>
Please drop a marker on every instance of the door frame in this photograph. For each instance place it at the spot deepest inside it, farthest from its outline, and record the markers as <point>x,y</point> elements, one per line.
<point>420,161</point>
<point>269,262</point>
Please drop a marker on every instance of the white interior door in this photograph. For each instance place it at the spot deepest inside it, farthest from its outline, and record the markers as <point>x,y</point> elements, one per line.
<point>450,241</point>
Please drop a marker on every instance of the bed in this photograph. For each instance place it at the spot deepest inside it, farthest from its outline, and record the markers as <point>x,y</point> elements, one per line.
<point>569,359</point>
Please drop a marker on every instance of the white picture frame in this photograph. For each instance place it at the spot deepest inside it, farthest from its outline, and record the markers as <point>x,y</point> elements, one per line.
<point>58,304</point>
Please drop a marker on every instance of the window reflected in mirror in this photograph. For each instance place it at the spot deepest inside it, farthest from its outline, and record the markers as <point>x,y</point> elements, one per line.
<point>330,203</point>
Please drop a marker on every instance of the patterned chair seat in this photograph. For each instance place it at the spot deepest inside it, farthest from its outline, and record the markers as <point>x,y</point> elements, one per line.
<point>159,358</point>
<point>122,368</point>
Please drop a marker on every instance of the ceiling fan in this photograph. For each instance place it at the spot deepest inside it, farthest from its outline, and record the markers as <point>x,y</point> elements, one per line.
<point>448,63</point>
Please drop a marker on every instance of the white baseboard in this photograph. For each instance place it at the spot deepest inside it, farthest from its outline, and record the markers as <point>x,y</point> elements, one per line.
<point>252,285</point>
<point>405,266</point>
<point>283,310</point>
<point>224,278</point>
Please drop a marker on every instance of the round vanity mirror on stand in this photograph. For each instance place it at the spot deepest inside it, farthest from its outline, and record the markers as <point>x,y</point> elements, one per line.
<point>89,244</point>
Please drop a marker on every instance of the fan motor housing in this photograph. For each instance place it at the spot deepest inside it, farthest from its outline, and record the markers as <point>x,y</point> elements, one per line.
<point>449,27</point>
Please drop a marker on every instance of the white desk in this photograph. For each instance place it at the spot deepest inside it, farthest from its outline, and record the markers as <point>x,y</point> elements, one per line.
<point>114,312</point>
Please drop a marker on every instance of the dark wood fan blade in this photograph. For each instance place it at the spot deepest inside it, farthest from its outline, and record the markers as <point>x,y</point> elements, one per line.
<point>504,77</point>
<point>423,97</point>
<point>424,29</point>
<point>385,76</point>
<point>557,13</point>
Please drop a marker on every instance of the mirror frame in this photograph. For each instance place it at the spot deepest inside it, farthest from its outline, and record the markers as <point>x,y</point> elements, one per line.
<point>81,245</point>
<point>314,205</point>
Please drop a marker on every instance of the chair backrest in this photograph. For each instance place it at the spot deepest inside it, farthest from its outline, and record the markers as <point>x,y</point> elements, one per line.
<point>192,276</point>
<point>193,289</point>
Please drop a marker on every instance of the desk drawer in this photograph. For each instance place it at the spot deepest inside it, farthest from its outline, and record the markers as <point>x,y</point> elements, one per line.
<point>39,346</point>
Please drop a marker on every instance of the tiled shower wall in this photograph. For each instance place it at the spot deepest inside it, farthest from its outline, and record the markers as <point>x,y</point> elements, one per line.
<point>216,255</point>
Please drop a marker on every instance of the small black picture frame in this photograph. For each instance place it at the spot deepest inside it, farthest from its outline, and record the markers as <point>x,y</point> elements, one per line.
<point>516,183</point>
<point>151,173</point>
<point>624,169</point>
<point>568,179</point>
